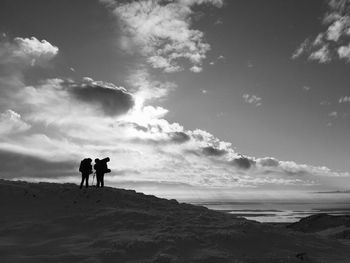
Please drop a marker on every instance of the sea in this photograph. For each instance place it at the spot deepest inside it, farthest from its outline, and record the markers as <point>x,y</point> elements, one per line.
<point>277,212</point>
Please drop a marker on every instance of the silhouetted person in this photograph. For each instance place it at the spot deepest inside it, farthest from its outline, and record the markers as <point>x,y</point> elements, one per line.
<point>85,169</point>
<point>101,168</point>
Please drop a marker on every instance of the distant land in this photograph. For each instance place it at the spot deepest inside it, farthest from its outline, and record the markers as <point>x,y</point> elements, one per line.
<point>335,192</point>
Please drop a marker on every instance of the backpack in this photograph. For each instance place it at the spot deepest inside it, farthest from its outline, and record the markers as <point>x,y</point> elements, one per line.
<point>85,166</point>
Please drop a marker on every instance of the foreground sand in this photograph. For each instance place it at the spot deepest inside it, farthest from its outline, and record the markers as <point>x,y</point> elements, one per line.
<point>60,223</point>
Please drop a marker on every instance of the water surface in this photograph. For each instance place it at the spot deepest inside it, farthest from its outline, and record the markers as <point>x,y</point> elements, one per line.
<point>277,212</point>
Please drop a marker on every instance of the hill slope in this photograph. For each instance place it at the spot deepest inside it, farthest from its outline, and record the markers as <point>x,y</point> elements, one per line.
<point>60,223</point>
<point>325,225</point>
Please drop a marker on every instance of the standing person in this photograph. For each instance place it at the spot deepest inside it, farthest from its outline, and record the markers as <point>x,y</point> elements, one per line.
<point>101,168</point>
<point>86,169</point>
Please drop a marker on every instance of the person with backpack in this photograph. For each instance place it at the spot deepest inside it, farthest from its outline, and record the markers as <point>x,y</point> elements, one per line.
<point>85,169</point>
<point>101,168</point>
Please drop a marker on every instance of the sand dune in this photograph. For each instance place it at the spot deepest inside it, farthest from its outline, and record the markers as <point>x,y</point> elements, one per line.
<point>60,223</point>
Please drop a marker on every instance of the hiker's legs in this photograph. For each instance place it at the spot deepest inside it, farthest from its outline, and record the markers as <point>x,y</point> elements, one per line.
<point>102,178</point>
<point>98,179</point>
<point>87,180</point>
<point>82,181</point>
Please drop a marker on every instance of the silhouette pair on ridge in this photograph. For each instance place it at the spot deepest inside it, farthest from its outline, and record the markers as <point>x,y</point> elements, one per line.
<point>100,169</point>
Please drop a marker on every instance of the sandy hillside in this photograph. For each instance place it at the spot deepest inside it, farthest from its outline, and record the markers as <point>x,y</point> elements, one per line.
<point>60,223</point>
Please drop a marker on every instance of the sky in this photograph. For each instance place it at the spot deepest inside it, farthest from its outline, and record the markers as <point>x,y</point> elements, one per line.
<point>189,98</point>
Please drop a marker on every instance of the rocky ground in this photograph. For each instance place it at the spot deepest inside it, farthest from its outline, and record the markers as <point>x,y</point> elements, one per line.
<point>60,223</point>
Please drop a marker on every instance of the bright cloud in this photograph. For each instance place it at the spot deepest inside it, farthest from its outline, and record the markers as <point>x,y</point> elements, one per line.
<point>333,43</point>
<point>161,31</point>
<point>32,47</point>
<point>306,88</point>
<point>252,99</point>
<point>333,114</point>
<point>344,99</point>
<point>146,87</point>
<point>321,55</point>
<point>344,52</point>
<point>27,51</point>
<point>15,56</point>
<point>11,123</point>
<point>301,49</point>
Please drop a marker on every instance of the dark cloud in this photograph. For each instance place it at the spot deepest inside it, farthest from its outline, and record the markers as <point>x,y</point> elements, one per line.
<point>194,152</point>
<point>179,137</point>
<point>134,126</point>
<point>334,192</point>
<point>112,100</point>
<point>269,162</point>
<point>15,165</point>
<point>243,162</point>
<point>211,151</point>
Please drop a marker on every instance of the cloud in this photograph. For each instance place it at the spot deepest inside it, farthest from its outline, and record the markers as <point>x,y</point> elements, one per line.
<point>321,55</point>
<point>306,88</point>
<point>333,114</point>
<point>179,137</point>
<point>344,52</point>
<point>268,162</point>
<point>26,51</point>
<point>252,99</point>
<point>161,31</point>
<point>213,151</point>
<point>301,49</point>
<point>333,42</point>
<point>219,21</point>
<point>196,69</point>
<point>111,99</point>
<point>16,56</point>
<point>337,28</point>
<point>11,123</point>
<point>325,103</point>
<point>146,87</point>
<point>243,162</point>
<point>344,99</point>
<point>37,50</point>
<point>217,3</point>
<point>15,165</point>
